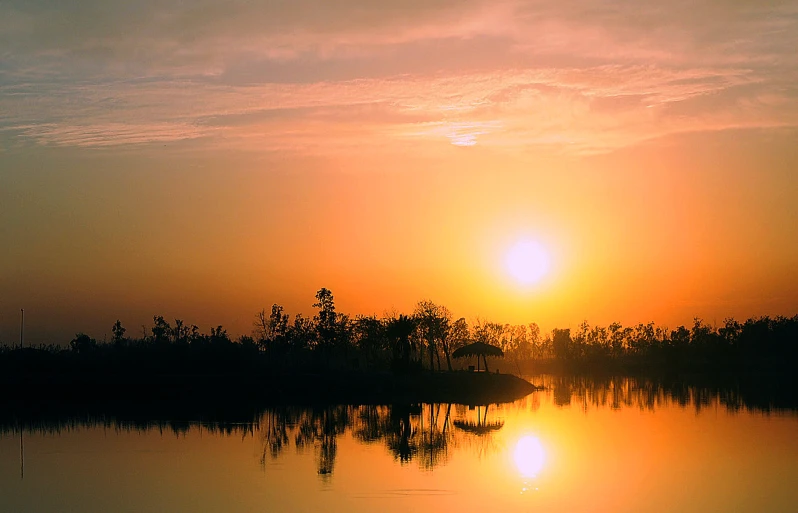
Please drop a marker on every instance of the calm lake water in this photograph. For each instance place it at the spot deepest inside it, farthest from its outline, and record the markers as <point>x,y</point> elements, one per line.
<point>615,445</point>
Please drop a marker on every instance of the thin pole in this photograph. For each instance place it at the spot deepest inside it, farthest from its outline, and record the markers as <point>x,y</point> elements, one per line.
<point>21,327</point>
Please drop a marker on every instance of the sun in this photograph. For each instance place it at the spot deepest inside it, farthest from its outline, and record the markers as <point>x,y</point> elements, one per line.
<point>527,262</point>
<point>529,456</point>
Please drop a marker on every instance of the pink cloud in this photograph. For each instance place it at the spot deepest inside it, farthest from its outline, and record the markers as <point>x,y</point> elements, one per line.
<point>587,76</point>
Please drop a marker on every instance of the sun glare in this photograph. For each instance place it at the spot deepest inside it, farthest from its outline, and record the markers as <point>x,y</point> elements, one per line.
<point>527,262</point>
<point>529,456</point>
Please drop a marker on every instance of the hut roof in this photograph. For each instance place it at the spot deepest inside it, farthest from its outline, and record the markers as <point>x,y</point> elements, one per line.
<point>478,349</point>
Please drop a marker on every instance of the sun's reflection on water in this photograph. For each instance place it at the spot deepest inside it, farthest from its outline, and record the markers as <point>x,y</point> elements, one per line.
<point>529,456</point>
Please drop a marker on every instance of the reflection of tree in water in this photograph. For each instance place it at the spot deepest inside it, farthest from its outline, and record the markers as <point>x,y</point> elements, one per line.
<point>371,423</point>
<point>274,434</point>
<point>312,427</point>
<point>478,428</point>
<point>409,431</point>
<point>320,428</point>
<point>423,433</point>
<point>401,436</point>
<point>757,395</point>
<point>530,403</point>
<point>434,441</point>
<point>561,392</point>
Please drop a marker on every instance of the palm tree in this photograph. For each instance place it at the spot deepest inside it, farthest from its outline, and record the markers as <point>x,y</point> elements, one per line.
<point>399,330</point>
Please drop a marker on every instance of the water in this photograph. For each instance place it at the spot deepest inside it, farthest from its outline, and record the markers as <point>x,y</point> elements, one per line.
<point>615,445</point>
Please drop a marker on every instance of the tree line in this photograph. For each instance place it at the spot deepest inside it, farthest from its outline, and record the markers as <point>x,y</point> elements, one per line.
<point>426,339</point>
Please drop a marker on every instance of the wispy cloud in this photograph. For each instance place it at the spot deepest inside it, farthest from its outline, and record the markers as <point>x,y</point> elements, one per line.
<point>587,76</point>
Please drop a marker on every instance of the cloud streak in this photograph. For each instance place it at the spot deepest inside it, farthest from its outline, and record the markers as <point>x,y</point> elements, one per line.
<point>587,76</point>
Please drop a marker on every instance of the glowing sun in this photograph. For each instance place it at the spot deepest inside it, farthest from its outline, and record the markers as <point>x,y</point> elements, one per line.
<point>529,456</point>
<point>527,262</point>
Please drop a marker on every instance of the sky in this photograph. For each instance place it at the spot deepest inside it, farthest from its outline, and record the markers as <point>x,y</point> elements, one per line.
<point>204,160</point>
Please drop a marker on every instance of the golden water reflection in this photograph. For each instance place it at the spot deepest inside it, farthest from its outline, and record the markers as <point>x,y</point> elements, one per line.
<point>529,456</point>
<point>621,445</point>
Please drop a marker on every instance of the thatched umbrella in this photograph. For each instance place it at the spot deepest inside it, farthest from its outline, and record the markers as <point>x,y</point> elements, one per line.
<point>479,349</point>
<point>481,426</point>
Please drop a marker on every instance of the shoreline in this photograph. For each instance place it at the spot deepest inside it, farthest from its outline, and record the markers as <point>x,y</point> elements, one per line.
<point>458,387</point>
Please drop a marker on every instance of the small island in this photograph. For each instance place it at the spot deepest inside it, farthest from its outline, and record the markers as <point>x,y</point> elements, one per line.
<point>331,358</point>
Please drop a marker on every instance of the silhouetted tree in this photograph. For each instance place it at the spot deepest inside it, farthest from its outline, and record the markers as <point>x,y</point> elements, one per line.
<point>434,322</point>
<point>160,329</point>
<point>271,328</point>
<point>326,322</point>
<point>616,335</point>
<point>219,335</point>
<point>370,333</point>
<point>326,305</point>
<point>118,333</point>
<point>180,333</point>
<point>399,331</point>
<point>459,335</point>
<point>83,344</point>
<point>516,344</point>
<point>561,342</point>
<point>302,334</point>
<point>247,342</point>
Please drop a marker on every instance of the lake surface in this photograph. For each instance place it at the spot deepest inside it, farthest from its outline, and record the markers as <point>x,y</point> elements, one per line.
<point>615,445</point>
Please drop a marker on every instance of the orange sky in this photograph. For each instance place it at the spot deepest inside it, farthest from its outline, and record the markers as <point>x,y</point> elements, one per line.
<point>206,162</point>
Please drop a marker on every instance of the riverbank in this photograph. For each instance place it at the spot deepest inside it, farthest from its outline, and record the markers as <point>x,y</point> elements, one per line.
<point>48,390</point>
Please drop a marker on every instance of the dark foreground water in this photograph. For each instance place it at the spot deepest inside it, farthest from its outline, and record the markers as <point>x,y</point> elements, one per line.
<point>615,445</point>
